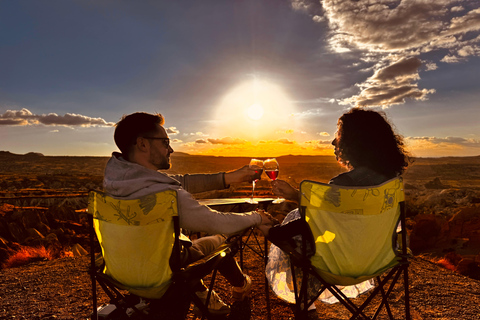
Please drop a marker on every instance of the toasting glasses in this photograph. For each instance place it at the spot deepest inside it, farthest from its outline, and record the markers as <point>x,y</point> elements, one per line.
<point>256,165</point>
<point>271,169</point>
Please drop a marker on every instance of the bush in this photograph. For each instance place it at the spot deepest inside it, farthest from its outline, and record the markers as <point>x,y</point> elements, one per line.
<point>26,255</point>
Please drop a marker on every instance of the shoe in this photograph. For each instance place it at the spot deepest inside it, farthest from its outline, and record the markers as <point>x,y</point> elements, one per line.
<point>215,305</point>
<point>239,293</point>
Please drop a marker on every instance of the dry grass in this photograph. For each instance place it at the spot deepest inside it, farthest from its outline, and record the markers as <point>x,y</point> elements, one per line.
<point>26,255</point>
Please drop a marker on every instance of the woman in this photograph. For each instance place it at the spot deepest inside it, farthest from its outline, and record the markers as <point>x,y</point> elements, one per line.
<point>368,147</point>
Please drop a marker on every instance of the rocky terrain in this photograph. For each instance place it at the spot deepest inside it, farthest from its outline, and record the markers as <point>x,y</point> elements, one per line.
<point>42,198</point>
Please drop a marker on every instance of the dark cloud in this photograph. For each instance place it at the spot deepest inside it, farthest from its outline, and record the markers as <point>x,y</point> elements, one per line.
<point>392,85</point>
<point>393,34</point>
<point>25,117</point>
<point>398,25</point>
<point>11,122</point>
<point>398,71</point>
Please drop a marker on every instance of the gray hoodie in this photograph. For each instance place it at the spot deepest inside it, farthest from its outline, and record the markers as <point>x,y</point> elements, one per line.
<point>124,179</point>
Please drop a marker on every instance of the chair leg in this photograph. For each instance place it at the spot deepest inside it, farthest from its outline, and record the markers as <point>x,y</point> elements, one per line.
<point>267,289</point>
<point>92,267</point>
<point>407,292</point>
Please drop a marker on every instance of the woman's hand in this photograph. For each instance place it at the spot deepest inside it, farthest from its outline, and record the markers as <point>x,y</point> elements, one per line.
<point>267,222</point>
<point>283,189</point>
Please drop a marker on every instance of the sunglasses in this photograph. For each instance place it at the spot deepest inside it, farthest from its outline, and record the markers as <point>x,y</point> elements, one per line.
<point>166,141</point>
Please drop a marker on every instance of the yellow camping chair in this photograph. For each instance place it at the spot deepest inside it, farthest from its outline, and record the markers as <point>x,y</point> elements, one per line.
<point>355,234</point>
<point>137,239</point>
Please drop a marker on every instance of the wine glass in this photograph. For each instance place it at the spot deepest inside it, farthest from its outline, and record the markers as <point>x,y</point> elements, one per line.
<point>271,169</point>
<point>257,165</point>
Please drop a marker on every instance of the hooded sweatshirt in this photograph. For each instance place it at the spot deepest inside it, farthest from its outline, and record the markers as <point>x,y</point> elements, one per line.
<point>128,180</point>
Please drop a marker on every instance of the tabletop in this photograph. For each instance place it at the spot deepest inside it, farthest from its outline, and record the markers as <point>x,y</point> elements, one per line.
<point>227,201</point>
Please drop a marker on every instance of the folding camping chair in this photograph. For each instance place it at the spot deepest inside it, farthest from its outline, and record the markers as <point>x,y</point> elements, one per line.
<point>137,239</point>
<point>355,234</point>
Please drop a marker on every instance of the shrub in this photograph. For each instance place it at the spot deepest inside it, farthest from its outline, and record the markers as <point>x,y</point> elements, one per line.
<point>26,255</point>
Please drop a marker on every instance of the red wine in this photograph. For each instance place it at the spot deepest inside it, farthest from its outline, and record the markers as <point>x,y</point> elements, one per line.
<point>258,173</point>
<point>272,174</point>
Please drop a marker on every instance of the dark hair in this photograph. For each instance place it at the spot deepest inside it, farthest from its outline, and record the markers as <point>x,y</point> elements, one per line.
<point>135,125</point>
<point>365,138</point>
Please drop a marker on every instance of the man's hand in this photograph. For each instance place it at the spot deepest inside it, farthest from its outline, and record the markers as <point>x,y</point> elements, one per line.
<point>244,174</point>
<point>267,222</point>
<point>283,189</point>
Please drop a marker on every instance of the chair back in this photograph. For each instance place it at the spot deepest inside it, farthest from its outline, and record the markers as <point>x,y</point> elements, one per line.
<point>354,228</point>
<point>137,237</point>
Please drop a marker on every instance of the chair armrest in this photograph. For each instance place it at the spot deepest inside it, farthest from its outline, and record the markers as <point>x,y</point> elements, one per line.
<point>204,266</point>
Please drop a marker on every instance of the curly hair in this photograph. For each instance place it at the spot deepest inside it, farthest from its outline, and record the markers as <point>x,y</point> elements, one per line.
<point>365,138</point>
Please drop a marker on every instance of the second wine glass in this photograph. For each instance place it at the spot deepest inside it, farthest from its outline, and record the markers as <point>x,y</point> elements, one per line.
<point>256,165</point>
<point>271,169</point>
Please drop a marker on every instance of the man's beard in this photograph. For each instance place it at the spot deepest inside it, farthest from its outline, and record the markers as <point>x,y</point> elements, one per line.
<point>160,162</point>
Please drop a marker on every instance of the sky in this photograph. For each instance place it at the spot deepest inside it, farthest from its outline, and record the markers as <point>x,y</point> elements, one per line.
<point>255,78</point>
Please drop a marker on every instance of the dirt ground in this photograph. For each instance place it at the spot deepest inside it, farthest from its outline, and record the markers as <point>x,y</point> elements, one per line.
<point>61,289</point>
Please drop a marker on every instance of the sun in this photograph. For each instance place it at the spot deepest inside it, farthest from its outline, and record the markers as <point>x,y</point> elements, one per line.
<point>255,111</point>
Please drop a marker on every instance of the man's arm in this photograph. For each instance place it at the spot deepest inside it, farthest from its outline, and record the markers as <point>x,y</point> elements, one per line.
<point>195,183</point>
<point>200,218</point>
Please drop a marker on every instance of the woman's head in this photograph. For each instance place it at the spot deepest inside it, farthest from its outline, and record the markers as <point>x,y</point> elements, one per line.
<point>365,138</point>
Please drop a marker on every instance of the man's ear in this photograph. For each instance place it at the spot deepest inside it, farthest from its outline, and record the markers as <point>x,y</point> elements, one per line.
<point>142,144</point>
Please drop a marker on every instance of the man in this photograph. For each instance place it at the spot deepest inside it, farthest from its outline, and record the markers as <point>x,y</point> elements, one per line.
<point>145,148</point>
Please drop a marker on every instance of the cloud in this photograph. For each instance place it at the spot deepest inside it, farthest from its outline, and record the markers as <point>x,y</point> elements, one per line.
<point>172,130</point>
<point>457,9</point>
<point>320,144</point>
<point>25,117</point>
<point>450,59</point>
<point>278,141</point>
<point>324,134</point>
<point>288,131</point>
<point>199,133</point>
<point>447,146</point>
<point>393,35</point>
<point>226,140</point>
<point>397,25</point>
<point>448,140</point>
<point>286,141</point>
<point>430,66</point>
<point>13,122</point>
<point>310,6</point>
<point>391,85</point>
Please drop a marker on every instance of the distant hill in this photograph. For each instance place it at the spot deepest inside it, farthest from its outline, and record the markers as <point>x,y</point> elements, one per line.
<point>29,154</point>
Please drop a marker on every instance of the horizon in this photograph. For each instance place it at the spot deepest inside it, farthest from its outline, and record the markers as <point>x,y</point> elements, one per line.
<point>242,79</point>
<point>179,153</point>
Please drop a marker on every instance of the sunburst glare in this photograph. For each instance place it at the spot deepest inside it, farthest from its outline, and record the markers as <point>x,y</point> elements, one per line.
<point>254,110</point>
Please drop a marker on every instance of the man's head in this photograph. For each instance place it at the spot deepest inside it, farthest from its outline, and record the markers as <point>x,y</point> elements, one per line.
<point>142,139</point>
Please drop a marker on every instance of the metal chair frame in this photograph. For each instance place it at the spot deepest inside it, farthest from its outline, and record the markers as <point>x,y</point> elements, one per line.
<point>183,280</point>
<point>303,262</point>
